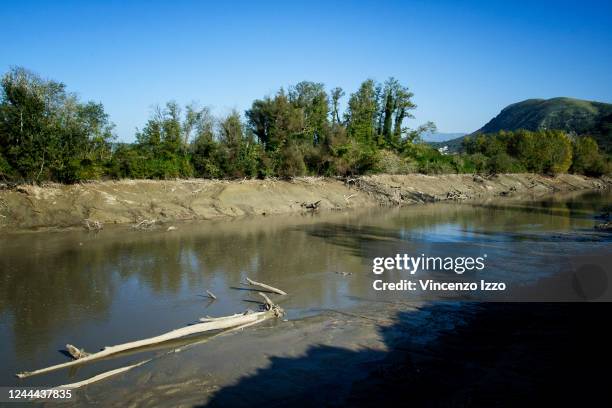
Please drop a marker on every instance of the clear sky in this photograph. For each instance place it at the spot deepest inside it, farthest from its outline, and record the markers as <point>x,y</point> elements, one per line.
<point>463,60</point>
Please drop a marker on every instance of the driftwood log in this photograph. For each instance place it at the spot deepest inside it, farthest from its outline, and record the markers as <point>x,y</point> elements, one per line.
<point>311,206</point>
<point>92,225</point>
<point>207,325</point>
<point>144,225</point>
<point>234,322</point>
<point>120,370</point>
<point>264,286</point>
<point>267,302</point>
<point>102,376</point>
<point>75,352</point>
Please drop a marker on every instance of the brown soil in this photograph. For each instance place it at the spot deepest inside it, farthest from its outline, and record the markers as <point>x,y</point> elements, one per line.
<point>130,201</point>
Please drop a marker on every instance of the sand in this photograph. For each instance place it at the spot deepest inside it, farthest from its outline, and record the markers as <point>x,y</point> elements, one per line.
<point>30,207</point>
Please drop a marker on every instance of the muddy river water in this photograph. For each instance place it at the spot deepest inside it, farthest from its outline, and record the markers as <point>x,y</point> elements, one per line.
<point>96,289</point>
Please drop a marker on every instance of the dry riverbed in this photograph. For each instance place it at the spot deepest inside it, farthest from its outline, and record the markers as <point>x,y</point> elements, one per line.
<point>131,201</point>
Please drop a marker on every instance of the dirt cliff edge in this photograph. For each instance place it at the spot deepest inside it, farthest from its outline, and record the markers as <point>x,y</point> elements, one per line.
<point>130,201</point>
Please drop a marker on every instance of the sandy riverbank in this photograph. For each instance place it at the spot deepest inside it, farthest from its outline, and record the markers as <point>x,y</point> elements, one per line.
<point>128,201</point>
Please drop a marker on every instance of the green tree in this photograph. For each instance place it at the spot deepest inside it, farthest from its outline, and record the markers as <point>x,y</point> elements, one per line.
<point>558,147</point>
<point>361,114</point>
<point>312,100</point>
<point>544,151</point>
<point>161,144</point>
<point>390,101</point>
<point>275,121</point>
<point>240,154</point>
<point>403,106</point>
<point>336,94</point>
<point>46,133</point>
<point>6,172</point>
<point>586,158</point>
<point>205,150</point>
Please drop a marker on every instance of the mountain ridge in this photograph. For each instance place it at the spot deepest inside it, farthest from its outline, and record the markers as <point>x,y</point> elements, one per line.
<point>575,116</point>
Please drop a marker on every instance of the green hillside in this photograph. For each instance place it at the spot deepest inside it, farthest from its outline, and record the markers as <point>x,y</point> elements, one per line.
<point>574,116</point>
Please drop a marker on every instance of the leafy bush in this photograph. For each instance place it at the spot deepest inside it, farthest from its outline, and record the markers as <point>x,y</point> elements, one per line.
<point>544,151</point>
<point>390,162</point>
<point>587,159</point>
<point>503,163</point>
<point>478,162</point>
<point>290,162</point>
<point>6,172</point>
<point>431,161</point>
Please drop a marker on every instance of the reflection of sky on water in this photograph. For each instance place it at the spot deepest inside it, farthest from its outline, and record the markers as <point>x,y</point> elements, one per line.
<point>119,285</point>
<point>440,233</point>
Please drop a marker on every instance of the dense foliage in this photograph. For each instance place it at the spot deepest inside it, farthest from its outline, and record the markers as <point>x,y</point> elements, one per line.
<point>46,133</point>
<point>543,151</point>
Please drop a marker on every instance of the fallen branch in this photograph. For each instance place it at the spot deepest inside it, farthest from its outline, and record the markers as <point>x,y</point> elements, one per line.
<point>213,319</point>
<point>267,302</point>
<point>92,225</point>
<point>311,206</point>
<point>211,295</point>
<point>215,324</point>
<point>268,287</point>
<point>144,224</point>
<point>103,376</point>
<point>110,373</point>
<point>271,307</point>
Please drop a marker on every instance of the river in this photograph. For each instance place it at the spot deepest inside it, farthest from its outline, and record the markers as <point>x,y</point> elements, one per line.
<point>96,289</point>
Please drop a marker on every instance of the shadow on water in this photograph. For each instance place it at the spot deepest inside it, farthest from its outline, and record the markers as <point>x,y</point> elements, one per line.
<point>90,289</point>
<point>491,355</point>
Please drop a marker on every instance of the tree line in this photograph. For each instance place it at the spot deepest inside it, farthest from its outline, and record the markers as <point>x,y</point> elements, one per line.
<point>47,133</point>
<point>543,151</point>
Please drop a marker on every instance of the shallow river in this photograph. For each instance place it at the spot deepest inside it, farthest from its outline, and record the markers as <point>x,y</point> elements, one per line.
<point>96,289</point>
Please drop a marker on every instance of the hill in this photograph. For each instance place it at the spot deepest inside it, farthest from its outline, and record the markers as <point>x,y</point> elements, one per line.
<point>575,116</point>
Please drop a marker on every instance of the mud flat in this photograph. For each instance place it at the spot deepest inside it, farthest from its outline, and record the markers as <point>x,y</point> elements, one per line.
<point>131,201</point>
<point>433,355</point>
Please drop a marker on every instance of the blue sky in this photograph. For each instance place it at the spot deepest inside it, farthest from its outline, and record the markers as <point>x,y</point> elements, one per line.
<point>464,61</point>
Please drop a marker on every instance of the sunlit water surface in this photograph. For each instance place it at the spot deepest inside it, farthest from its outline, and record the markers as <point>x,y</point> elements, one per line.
<point>97,289</point>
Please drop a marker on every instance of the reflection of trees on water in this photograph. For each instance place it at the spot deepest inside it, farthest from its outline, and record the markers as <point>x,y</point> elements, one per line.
<point>45,292</point>
<point>49,281</point>
<point>46,287</point>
